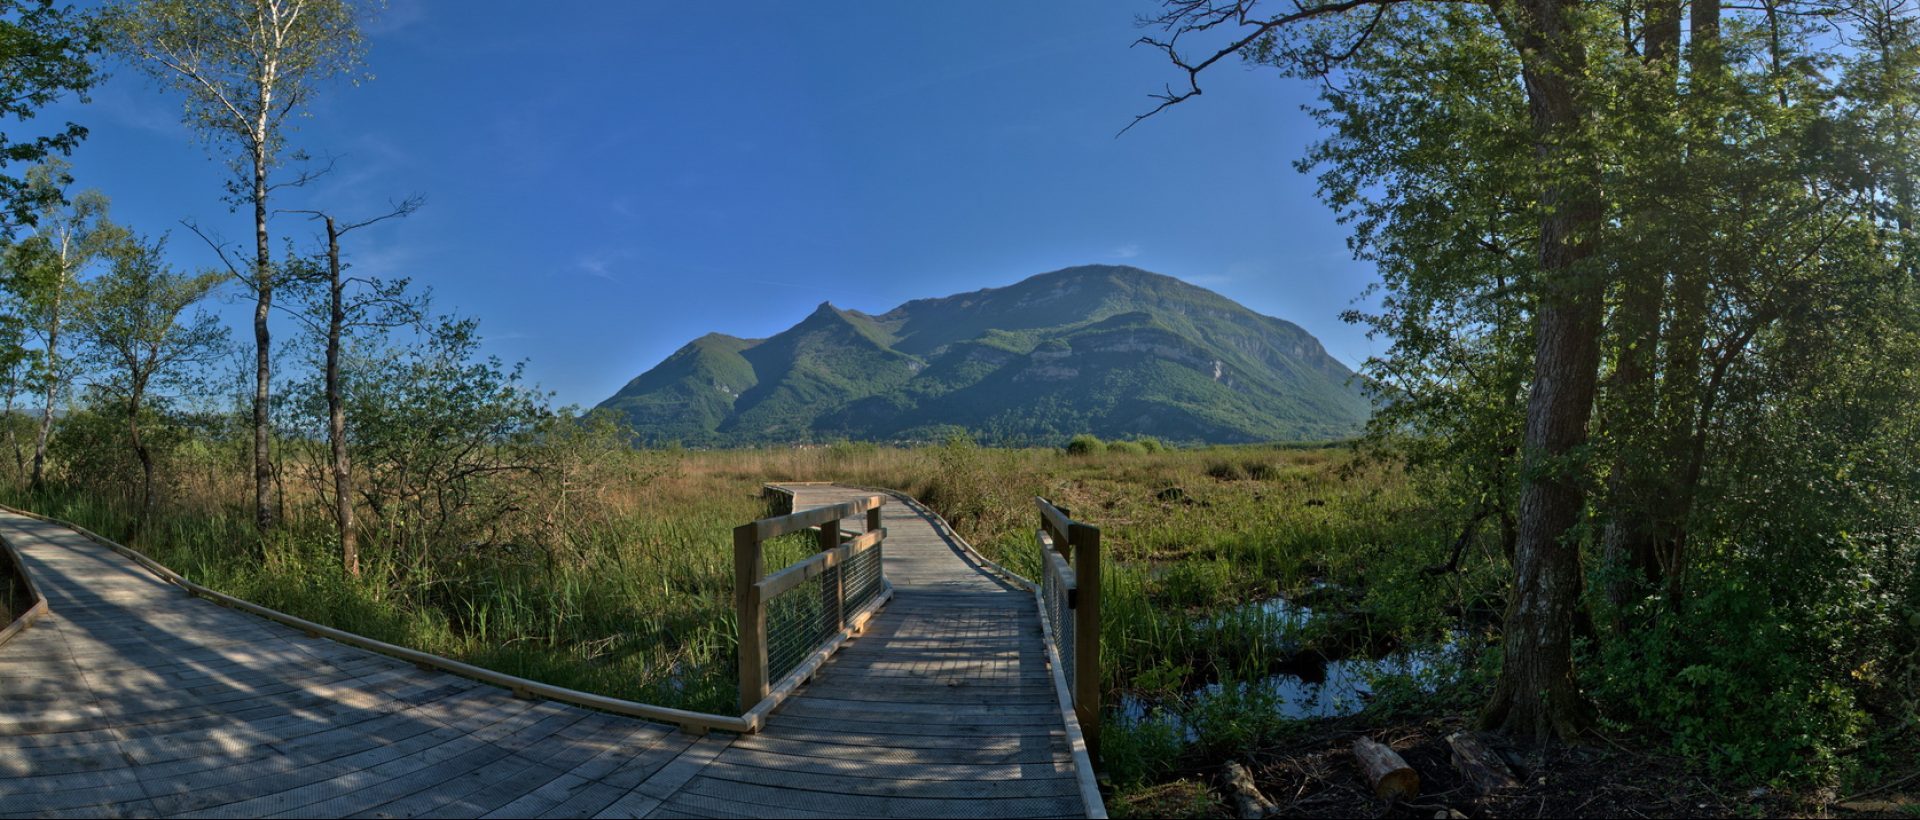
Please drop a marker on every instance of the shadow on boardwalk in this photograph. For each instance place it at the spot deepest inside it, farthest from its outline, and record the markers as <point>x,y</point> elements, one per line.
<point>134,699</point>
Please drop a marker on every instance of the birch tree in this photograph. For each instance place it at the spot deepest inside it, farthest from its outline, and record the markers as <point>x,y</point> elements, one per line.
<point>67,238</point>
<point>136,332</point>
<point>244,69</point>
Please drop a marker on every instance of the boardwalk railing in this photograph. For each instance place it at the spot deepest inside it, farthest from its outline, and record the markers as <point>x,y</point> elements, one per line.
<point>695,722</point>
<point>1070,602</point>
<point>792,621</point>
<point>26,611</point>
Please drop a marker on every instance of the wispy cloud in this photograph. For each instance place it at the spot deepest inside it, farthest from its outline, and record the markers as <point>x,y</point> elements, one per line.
<point>398,15</point>
<point>608,264</point>
<point>599,267</point>
<point>1127,251</point>
<point>136,106</point>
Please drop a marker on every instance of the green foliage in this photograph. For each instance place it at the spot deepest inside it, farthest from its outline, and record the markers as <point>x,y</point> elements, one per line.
<point>1226,470</point>
<point>95,456</point>
<point>49,53</point>
<point>433,425</point>
<point>242,66</point>
<point>1748,534</point>
<point>1124,448</point>
<point>1086,444</point>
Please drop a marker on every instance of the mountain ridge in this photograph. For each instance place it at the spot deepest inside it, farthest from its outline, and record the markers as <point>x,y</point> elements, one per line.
<point>1112,350</point>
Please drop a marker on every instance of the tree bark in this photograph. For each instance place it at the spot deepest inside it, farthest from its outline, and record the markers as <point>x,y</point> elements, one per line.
<point>1639,464</point>
<point>1248,799</point>
<point>1684,393</point>
<point>1481,766</point>
<point>337,410</point>
<point>141,452</point>
<point>1387,772</point>
<point>263,343</point>
<point>45,433</point>
<point>1536,696</point>
<point>41,438</point>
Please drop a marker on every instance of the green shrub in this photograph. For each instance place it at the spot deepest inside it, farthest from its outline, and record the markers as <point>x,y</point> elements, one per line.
<point>1130,448</point>
<point>1151,444</point>
<point>1226,470</point>
<point>1086,444</point>
<point>1261,471</point>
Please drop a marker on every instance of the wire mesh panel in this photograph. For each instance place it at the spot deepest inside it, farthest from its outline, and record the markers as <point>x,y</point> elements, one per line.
<point>1054,589</point>
<point>799,620</point>
<point>863,578</point>
<point>807,616</point>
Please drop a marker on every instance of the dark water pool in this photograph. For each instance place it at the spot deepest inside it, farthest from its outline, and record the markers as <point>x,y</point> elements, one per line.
<point>1307,684</point>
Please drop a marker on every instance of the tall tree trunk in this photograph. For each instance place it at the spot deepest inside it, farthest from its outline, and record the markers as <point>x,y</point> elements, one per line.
<point>337,410</point>
<point>146,460</point>
<point>263,342</point>
<point>1536,696</point>
<point>1639,459</point>
<point>1683,391</point>
<point>39,479</point>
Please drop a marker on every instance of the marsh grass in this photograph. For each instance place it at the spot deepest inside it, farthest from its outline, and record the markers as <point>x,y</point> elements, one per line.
<point>635,600</point>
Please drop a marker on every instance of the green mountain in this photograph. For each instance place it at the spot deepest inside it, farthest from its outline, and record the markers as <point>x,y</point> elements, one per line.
<point>1109,350</point>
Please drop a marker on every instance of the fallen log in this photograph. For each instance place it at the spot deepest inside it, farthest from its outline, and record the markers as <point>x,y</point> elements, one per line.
<point>1253,805</point>
<point>1386,770</point>
<point>1480,765</point>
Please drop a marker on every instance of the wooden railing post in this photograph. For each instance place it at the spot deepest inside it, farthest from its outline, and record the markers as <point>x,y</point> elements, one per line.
<point>833,588</point>
<point>1086,632</point>
<point>873,520</point>
<point>749,564</point>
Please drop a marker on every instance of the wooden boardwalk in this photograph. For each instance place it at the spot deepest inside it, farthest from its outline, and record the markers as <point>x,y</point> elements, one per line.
<point>134,699</point>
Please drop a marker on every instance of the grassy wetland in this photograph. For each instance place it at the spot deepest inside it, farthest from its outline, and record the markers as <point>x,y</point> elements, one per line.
<point>621,584</point>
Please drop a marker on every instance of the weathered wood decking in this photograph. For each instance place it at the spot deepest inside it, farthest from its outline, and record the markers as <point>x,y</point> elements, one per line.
<point>134,699</point>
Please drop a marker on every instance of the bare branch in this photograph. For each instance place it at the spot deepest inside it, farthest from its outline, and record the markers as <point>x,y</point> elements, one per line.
<point>306,175</point>
<point>218,249</point>
<point>403,208</point>
<point>1188,16</point>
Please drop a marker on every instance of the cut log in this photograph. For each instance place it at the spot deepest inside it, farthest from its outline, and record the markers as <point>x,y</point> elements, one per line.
<point>1480,765</point>
<point>1386,771</point>
<point>1252,804</point>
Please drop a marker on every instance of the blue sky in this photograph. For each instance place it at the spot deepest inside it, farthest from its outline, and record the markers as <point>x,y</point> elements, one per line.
<point>606,181</point>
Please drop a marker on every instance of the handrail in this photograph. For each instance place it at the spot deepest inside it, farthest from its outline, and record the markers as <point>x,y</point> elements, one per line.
<point>767,528</point>
<point>34,612</point>
<point>1070,582</point>
<point>754,589</point>
<point>1088,787</point>
<point>819,564</point>
<point>699,722</point>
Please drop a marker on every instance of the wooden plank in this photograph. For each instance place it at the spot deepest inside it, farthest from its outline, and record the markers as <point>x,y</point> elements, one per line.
<point>970,751</point>
<point>798,770</point>
<point>893,787</point>
<point>687,804</point>
<point>769,528</point>
<point>868,805</point>
<point>750,613</point>
<point>907,740</point>
<point>1087,679</point>
<point>930,713</point>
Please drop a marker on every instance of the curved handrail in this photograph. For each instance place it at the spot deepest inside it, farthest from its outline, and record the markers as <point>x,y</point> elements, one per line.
<point>699,722</point>
<point>39,608</point>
